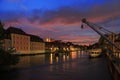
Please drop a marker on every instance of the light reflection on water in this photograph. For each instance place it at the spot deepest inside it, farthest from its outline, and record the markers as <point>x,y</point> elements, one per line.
<point>27,61</point>
<point>75,66</point>
<point>51,58</point>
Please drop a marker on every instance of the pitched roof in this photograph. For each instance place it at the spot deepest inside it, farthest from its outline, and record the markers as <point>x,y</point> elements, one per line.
<point>10,30</point>
<point>15,30</point>
<point>35,38</point>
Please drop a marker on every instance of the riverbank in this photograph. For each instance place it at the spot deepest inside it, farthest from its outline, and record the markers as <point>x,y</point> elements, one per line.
<point>32,54</point>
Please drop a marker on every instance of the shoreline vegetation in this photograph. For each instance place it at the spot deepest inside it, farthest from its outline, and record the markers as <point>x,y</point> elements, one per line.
<point>7,59</point>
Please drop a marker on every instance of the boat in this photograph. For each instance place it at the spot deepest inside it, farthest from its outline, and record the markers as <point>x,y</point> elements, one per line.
<point>94,53</point>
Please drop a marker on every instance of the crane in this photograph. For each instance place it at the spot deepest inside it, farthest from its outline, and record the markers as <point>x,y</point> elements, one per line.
<point>94,27</point>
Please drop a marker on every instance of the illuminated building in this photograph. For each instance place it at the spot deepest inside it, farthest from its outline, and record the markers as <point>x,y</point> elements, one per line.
<point>22,42</point>
<point>37,44</point>
<point>49,40</point>
<point>18,39</point>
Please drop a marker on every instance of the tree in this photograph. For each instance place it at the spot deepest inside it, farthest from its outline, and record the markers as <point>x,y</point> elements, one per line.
<point>1,34</point>
<point>6,58</point>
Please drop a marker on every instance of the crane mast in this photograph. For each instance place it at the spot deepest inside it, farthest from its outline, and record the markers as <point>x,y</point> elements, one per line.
<point>102,35</point>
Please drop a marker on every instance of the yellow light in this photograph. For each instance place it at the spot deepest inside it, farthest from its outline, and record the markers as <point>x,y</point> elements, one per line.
<point>57,59</point>
<point>51,58</point>
<point>73,55</point>
<point>63,57</point>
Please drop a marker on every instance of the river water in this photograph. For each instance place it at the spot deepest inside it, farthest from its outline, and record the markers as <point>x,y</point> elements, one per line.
<point>72,66</point>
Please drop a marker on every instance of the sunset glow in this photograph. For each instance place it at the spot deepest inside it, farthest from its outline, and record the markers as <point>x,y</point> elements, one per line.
<point>61,19</point>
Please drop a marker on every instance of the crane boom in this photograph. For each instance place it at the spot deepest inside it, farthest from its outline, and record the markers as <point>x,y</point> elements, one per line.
<point>94,28</point>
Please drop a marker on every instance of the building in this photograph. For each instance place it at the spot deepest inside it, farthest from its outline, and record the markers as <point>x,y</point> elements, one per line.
<point>18,39</point>
<point>22,42</point>
<point>37,44</point>
<point>117,42</point>
<point>48,39</point>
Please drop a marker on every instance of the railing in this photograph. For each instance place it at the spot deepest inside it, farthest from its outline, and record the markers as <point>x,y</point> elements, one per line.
<point>113,59</point>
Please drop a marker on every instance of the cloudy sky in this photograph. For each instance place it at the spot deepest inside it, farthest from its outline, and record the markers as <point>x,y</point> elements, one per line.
<point>61,19</point>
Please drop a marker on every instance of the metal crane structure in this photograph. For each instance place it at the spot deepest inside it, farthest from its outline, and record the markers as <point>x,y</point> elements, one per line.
<point>112,60</point>
<point>96,29</point>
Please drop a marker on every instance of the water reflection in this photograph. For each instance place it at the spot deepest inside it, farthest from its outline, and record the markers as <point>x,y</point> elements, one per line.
<point>26,61</point>
<point>51,58</point>
<point>74,66</point>
<point>73,55</point>
<point>64,58</point>
<point>57,59</point>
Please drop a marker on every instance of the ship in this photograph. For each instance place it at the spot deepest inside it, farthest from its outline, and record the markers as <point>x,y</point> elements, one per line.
<point>94,53</point>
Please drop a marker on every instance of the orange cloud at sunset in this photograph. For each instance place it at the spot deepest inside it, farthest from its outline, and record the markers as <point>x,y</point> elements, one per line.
<point>63,23</point>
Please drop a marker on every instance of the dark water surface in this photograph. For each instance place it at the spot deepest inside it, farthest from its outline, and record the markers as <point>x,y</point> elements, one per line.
<point>74,66</point>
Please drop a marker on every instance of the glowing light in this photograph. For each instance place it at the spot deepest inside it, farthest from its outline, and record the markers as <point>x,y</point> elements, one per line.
<point>57,59</point>
<point>51,58</point>
<point>73,55</point>
<point>63,57</point>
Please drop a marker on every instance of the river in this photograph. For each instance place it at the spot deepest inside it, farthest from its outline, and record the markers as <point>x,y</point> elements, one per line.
<point>73,66</point>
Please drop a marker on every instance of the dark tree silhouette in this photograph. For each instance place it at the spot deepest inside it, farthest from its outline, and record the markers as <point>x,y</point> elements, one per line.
<point>6,58</point>
<point>1,34</point>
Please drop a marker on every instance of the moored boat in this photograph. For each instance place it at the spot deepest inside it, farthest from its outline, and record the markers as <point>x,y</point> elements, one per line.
<point>94,53</point>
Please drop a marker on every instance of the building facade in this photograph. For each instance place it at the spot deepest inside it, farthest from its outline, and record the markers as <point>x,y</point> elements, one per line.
<point>36,44</point>
<point>22,42</point>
